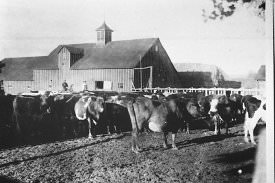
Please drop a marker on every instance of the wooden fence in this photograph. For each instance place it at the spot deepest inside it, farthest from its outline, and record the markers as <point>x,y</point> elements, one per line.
<point>206,91</point>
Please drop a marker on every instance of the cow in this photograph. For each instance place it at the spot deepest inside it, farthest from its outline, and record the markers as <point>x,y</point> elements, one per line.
<point>237,104</point>
<point>204,104</point>
<point>189,108</point>
<point>64,114</point>
<point>115,118</point>
<point>221,111</point>
<point>30,114</point>
<point>254,111</point>
<point>162,116</point>
<point>6,123</point>
<point>89,108</point>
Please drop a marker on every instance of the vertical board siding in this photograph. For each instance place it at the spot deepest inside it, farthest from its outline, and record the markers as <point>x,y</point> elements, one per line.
<point>52,80</point>
<point>43,79</point>
<point>15,87</point>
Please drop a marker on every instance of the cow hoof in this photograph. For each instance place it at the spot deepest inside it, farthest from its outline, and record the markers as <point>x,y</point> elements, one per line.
<point>165,146</point>
<point>253,142</point>
<point>90,137</point>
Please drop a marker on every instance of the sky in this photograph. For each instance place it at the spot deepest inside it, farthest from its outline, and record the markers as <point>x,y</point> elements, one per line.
<point>235,44</point>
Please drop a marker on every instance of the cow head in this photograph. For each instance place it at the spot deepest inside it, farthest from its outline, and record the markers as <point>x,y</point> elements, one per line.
<point>46,103</point>
<point>95,106</point>
<point>193,109</point>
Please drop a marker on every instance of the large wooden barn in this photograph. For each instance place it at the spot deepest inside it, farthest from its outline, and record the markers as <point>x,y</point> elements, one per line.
<point>104,65</point>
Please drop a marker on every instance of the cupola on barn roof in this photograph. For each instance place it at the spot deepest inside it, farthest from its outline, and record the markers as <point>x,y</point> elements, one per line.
<point>105,27</point>
<point>104,34</point>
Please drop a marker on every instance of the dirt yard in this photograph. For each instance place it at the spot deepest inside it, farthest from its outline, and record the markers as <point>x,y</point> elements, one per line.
<point>202,157</point>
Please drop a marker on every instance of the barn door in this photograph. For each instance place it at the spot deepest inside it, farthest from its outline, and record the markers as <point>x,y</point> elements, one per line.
<point>143,77</point>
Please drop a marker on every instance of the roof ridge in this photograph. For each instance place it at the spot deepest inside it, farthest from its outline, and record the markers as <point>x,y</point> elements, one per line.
<point>110,42</point>
<point>25,57</point>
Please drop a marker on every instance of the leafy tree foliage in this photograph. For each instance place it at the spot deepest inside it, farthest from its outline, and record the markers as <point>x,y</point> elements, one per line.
<point>225,8</point>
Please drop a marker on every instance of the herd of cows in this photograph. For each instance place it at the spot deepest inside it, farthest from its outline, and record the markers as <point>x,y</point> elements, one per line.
<point>28,117</point>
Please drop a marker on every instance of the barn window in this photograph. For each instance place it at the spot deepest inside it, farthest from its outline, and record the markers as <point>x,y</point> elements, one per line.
<point>99,84</point>
<point>106,85</point>
<point>120,85</point>
<point>64,55</point>
<point>98,36</point>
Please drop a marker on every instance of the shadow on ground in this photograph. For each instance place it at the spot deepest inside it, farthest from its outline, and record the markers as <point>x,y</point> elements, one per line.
<point>59,152</point>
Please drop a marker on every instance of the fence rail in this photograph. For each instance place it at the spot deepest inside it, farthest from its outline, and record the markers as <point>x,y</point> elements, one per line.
<point>206,91</point>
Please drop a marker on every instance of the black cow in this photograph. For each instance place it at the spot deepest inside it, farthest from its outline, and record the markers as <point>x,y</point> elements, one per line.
<point>32,115</point>
<point>68,124</point>
<point>6,124</point>
<point>237,104</point>
<point>115,118</point>
<point>189,108</point>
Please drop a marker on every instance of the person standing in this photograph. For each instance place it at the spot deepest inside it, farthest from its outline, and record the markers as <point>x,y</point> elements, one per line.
<point>85,86</point>
<point>65,85</point>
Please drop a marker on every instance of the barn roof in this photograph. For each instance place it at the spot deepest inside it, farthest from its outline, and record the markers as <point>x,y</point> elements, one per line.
<point>21,69</point>
<point>104,26</point>
<point>115,54</point>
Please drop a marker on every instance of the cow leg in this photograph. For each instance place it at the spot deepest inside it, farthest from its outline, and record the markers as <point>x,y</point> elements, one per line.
<point>108,130</point>
<point>187,128</point>
<point>246,124</point>
<point>89,127</point>
<point>130,108</point>
<point>115,129</point>
<point>174,147</point>
<point>165,140</point>
<point>216,127</point>
<point>251,128</point>
<point>226,127</point>
<point>246,134</point>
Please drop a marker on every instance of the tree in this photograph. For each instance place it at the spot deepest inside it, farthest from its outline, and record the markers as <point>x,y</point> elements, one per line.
<point>225,8</point>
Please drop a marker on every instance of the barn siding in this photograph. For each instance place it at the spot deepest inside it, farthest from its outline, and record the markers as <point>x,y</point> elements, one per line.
<point>44,78</point>
<point>52,80</point>
<point>164,72</point>
<point>15,87</point>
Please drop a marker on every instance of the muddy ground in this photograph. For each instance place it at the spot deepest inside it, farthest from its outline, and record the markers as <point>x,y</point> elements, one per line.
<point>202,157</point>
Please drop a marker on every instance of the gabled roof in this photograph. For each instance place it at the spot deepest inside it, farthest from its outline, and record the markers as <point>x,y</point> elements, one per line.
<point>21,68</point>
<point>261,74</point>
<point>104,26</point>
<point>115,54</point>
